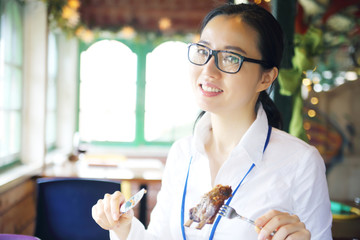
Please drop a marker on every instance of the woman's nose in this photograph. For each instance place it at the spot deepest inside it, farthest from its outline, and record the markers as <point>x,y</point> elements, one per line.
<point>210,67</point>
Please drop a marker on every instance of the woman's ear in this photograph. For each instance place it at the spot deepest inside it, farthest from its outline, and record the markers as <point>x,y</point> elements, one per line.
<point>267,78</point>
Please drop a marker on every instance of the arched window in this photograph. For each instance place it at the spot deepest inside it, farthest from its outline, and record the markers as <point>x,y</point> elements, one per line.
<point>107,92</point>
<point>170,110</point>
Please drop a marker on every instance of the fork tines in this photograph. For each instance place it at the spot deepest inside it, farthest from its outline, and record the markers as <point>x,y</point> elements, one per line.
<point>223,210</point>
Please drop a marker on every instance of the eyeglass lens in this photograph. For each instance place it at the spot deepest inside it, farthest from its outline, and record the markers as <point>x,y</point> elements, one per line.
<point>225,61</point>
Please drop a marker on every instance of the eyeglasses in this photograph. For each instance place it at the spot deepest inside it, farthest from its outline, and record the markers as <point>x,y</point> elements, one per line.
<point>225,61</point>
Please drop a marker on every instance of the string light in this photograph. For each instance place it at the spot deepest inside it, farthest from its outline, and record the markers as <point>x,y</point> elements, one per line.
<point>307,126</point>
<point>311,113</point>
<point>128,32</point>
<point>308,136</point>
<point>314,100</point>
<point>351,76</point>
<point>306,81</point>
<point>164,24</point>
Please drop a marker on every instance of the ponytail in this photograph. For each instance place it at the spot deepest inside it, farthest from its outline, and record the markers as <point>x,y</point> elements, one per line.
<point>272,112</point>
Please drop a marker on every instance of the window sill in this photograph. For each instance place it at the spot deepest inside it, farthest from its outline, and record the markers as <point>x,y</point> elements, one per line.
<point>17,175</point>
<point>144,151</point>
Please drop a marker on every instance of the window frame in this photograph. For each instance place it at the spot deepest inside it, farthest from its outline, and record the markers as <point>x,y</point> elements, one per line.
<point>14,159</point>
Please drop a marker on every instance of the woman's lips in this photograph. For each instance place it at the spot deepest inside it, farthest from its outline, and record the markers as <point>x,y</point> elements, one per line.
<point>210,90</point>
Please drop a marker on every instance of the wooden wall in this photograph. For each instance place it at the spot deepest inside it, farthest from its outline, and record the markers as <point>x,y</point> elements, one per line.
<point>17,209</point>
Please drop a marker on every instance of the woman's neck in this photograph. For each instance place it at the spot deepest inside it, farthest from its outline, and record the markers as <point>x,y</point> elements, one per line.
<point>227,131</point>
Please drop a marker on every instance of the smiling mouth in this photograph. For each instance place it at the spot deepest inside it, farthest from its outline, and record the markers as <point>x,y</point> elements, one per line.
<point>210,89</point>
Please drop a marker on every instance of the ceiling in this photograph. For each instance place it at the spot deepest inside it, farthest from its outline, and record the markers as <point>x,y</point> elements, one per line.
<point>146,15</point>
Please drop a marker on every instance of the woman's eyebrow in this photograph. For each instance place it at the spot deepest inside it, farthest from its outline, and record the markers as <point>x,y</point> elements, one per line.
<point>229,48</point>
<point>234,48</point>
<point>204,42</point>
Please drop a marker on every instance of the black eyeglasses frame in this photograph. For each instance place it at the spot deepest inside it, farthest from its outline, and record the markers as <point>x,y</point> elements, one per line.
<point>215,54</point>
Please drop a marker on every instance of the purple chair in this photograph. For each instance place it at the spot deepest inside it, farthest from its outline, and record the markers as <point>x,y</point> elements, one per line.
<point>17,237</point>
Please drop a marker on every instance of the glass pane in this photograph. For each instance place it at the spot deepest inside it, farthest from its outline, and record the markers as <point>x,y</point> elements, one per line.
<point>50,128</point>
<point>170,109</point>
<point>11,30</point>
<point>14,132</point>
<point>2,91</point>
<point>108,92</point>
<point>3,134</point>
<point>6,87</point>
<point>15,89</point>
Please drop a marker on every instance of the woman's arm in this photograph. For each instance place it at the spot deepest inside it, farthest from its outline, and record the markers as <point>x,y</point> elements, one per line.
<point>311,205</point>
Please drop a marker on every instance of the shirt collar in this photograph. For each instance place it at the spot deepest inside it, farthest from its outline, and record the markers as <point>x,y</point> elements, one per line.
<point>254,139</point>
<point>252,142</point>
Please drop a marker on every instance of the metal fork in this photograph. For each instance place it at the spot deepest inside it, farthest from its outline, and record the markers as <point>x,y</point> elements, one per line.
<point>229,212</point>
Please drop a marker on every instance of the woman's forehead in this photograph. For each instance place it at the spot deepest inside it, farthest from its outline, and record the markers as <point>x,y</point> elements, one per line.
<point>231,30</point>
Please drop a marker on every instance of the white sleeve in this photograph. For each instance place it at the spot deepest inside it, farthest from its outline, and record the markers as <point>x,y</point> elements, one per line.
<point>311,196</point>
<point>137,231</point>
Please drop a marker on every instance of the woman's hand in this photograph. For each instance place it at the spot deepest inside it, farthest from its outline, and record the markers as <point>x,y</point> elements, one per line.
<point>106,213</point>
<point>286,226</point>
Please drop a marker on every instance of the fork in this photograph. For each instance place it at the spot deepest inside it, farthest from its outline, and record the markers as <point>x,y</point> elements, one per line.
<point>229,212</point>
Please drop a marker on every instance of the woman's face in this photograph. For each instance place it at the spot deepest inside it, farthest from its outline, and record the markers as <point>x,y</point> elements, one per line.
<point>219,92</point>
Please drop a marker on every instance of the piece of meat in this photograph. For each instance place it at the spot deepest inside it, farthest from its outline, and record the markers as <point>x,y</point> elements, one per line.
<point>207,209</point>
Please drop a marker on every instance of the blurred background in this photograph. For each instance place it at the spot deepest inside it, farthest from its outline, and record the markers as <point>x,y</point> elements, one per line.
<point>100,89</point>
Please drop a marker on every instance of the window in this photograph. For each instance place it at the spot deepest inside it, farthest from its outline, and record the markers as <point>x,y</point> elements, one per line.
<point>135,95</point>
<point>11,63</point>
<point>170,109</point>
<point>107,92</point>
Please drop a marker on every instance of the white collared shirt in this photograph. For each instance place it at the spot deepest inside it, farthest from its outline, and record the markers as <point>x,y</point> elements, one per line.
<point>289,176</point>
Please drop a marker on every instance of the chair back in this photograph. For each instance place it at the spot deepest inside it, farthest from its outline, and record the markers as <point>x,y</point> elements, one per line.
<point>64,208</point>
<point>16,237</point>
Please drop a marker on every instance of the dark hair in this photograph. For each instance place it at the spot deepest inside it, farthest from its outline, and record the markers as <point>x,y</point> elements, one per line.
<point>270,45</point>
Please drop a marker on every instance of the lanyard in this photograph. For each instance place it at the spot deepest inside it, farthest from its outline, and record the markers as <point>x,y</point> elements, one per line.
<point>227,202</point>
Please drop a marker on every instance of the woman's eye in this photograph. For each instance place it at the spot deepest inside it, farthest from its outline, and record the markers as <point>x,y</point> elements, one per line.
<point>202,51</point>
<point>231,59</point>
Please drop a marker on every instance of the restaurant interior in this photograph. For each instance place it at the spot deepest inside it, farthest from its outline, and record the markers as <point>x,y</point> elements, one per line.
<point>87,100</point>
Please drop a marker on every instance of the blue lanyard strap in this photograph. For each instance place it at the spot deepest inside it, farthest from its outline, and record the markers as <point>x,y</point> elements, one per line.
<point>183,202</point>
<point>227,202</point>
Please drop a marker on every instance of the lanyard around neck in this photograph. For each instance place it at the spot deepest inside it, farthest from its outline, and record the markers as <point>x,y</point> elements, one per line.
<point>227,202</point>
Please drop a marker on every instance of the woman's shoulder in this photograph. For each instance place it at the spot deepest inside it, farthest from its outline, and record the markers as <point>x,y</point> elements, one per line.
<point>291,147</point>
<point>181,148</point>
<point>183,143</point>
<point>285,139</point>
<point>290,151</point>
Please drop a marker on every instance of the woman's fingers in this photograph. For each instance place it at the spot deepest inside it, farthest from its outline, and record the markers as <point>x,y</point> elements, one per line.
<point>284,224</point>
<point>292,231</point>
<point>116,200</point>
<point>106,212</point>
<point>108,209</point>
<point>99,215</point>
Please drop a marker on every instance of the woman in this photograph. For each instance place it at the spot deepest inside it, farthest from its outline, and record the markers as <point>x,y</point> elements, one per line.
<point>280,180</point>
